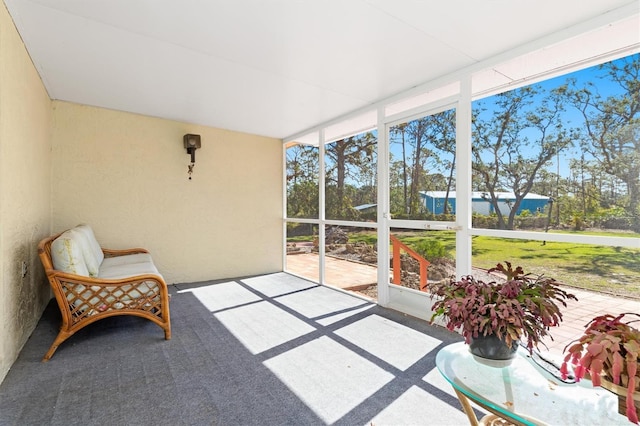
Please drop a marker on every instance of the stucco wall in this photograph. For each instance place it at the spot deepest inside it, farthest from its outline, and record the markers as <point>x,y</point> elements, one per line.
<point>126,176</point>
<point>25,191</point>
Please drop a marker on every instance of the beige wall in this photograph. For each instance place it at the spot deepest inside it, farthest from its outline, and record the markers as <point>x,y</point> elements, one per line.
<point>126,175</point>
<point>25,191</point>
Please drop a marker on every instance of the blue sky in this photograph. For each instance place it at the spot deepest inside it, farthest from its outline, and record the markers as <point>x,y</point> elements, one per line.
<point>571,118</point>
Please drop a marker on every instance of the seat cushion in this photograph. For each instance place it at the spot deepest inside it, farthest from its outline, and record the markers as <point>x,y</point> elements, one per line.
<point>126,259</point>
<point>126,270</point>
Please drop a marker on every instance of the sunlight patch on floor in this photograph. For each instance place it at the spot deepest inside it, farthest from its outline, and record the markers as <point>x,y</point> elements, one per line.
<point>278,284</point>
<point>221,296</point>
<point>324,304</point>
<point>331,379</point>
<point>262,326</point>
<point>393,343</point>
<point>418,407</point>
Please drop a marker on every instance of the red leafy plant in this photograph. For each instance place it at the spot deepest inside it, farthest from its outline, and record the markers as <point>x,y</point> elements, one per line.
<point>609,349</point>
<point>521,306</point>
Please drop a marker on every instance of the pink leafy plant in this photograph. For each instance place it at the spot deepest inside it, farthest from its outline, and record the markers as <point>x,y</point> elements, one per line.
<point>522,306</point>
<point>609,349</point>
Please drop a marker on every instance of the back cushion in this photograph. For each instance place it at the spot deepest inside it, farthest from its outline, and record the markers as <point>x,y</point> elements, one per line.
<point>93,266</point>
<point>67,254</point>
<point>92,242</point>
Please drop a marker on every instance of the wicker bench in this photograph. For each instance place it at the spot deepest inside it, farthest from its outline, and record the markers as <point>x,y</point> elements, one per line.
<point>91,283</point>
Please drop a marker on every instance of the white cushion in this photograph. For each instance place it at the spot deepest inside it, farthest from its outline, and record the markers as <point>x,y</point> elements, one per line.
<point>127,270</point>
<point>93,265</point>
<point>93,244</point>
<point>126,259</point>
<point>67,254</point>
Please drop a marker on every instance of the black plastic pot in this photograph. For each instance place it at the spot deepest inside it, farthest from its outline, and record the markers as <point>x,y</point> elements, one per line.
<point>491,347</point>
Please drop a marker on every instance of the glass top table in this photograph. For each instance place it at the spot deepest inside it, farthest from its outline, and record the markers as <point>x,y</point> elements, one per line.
<point>524,393</point>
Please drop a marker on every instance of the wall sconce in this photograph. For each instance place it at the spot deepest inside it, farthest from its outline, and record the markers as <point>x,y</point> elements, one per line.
<point>191,143</point>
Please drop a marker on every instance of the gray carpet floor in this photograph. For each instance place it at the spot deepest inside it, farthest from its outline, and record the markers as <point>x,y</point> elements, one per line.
<point>266,350</point>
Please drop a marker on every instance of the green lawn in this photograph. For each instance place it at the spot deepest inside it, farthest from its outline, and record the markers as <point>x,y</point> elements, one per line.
<point>613,270</point>
<point>601,268</point>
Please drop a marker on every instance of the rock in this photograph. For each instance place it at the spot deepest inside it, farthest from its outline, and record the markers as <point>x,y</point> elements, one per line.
<point>336,235</point>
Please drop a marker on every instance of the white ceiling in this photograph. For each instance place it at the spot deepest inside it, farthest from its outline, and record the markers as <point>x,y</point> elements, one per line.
<point>273,67</point>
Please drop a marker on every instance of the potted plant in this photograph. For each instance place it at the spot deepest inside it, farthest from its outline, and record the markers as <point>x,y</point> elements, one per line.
<point>522,306</point>
<point>609,353</point>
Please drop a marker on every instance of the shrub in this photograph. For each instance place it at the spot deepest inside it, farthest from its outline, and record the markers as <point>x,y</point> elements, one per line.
<point>430,249</point>
<point>525,213</point>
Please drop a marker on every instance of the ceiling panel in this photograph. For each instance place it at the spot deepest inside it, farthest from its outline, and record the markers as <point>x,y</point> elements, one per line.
<point>272,68</point>
<point>481,29</point>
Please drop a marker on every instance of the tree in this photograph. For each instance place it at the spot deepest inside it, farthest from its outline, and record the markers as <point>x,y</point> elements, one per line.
<point>514,141</point>
<point>426,140</point>
<point>586,179</point>
<point>400,130</point>
<point>348,159</point>
<point>302,181</point>
<point>397,186</point>
<point>418,131</point>
<point>612,126</point>
<point>446,143</point>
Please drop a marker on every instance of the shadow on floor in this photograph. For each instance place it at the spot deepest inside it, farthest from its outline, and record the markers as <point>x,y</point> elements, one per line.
<point>269,350</point>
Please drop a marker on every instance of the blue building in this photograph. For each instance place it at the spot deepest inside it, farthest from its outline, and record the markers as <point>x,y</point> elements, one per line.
<point>481,202</point>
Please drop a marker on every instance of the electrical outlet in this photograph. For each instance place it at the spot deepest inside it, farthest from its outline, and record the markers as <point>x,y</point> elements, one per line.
<point>23,269</point>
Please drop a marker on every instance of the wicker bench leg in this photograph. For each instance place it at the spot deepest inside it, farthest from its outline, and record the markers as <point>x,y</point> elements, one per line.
<point>166,316</point>
<point>62,336</point>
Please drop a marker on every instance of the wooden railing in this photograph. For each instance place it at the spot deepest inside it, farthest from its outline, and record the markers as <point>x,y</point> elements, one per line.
<point>397,269</point>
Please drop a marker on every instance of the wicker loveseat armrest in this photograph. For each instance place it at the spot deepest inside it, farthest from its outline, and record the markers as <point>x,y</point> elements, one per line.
<point>122,252</point>
<point>127,283</point>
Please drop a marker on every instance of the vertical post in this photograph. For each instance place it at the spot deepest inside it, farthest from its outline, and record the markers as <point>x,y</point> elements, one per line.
<point>423,275</point>
<point>284,206</point>
<point>383,215</point>
<point>321,210</point>
<point>397,268</point>
<point>463,179</point>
